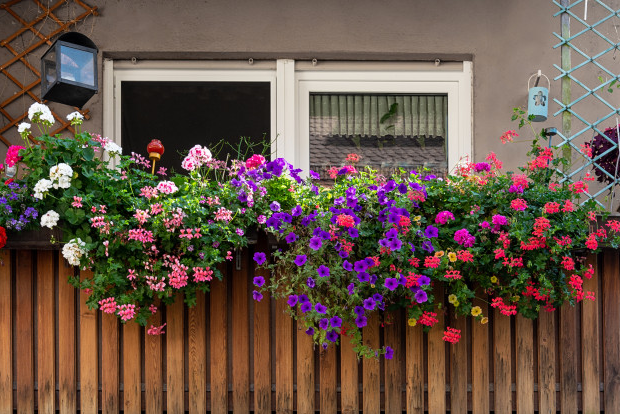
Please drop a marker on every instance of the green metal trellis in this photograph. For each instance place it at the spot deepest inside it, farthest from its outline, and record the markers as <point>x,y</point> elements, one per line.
<point>595,92</point>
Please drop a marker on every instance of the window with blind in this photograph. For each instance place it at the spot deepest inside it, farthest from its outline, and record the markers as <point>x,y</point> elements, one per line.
<point>388,131</point>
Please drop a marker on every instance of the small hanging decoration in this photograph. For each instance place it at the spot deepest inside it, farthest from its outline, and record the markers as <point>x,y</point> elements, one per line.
<point>155,150</point>
<point>538,99</point>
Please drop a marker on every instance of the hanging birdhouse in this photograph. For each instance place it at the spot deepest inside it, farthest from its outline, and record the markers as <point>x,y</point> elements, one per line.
<point>69,70</point>
<point>538,99</point>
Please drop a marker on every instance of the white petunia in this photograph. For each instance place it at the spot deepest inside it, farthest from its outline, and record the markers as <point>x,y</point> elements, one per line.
<point>112,147</point>
<point>73,251</point>
<point>50,219</point>
<point>42,187</point>
<point>23,127</point>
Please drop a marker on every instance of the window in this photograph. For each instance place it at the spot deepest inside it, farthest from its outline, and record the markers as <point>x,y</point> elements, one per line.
<point>409,114</point>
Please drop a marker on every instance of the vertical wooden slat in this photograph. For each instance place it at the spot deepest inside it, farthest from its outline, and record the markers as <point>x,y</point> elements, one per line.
<point>437,361</point>
<point>328,391</point>
<point>349,381</point>
<point>24,371</point>
<point>197,338</point>
<point>240,340</point>
<point>546,363</point>
<point>6,339</point>
<point>175,381</point>
<point>611,330</point>
<point>89,387</point>
<point>132,389</point>
<point>525,365</point>
<point>305,372</point>
<point>153,367</point>
<point>284,360</point>
<point>46,345</point>
<point>568,359</point>
<point>415,369</point>
<point>67,389</point>
<point>371,375</point>
<point>458,369</point>
<point>262,344</point>
<point>590,364</point>
<point>502,374</point>
<point>219,347</point>
<point>109,363</point>
<point>393,382</point>
<point>480,376</point>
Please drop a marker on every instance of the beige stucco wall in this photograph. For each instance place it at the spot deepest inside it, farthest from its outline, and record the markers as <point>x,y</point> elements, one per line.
<point>506,40</point>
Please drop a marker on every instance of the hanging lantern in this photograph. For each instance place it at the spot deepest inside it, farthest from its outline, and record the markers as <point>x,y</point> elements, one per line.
<point>69,70</point>
<point>538,99</point>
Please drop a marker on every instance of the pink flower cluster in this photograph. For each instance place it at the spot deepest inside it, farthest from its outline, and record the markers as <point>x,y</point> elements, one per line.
<point>202,274</point>
<point>12,155</point>
<point>197,157</point>
<point>223,214</point>
<point>443,216</point>
<point>108,305</point>
<point>156,330</point>
<point>126,312</point>
<point>167,187</point>
<point>254,161</point>
<point>144,236</point>
<point>463,238</point>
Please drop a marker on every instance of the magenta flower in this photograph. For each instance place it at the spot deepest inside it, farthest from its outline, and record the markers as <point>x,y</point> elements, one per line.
<point>260,258</point>
<point>389,352</point>
<point>257,295</point>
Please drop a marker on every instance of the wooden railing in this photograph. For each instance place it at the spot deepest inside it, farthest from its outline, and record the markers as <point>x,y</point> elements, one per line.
<point>231,353</point>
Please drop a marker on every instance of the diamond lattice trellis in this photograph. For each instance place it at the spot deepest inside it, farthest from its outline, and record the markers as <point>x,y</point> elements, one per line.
<point>587,107</point>
<point>41,23</point>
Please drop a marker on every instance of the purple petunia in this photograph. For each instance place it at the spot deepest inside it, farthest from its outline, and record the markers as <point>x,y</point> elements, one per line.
<point>303,299</point>
<point>258,281</point>
<point>323,271</point>
<point>315,175</point>
<point>320,308</point>
<point>428,246</point>
<point>431,231</point>
<point>310,331</point>
<point>389,352</point>
<point>359,311</point>
<point>257,295</point>
<point>361,321</point>
<point>275,206</point>
<point>347,265</point>
<point>332,335</point>
<point>363,277</point>
<point>421,296</point>
<point>335,322</point>
<point>292,300</point>
<point>315,243</point>
<point>260,258</point>
<point>395,244</point>
<point>310,283</point>
<point>296,211</point>
<point>360,266</point>
<point>324,323</point>
<point>369,304</point>
<point>305,307</point>
<point>351,288</point>
<point>353,233</point>
<point>291,237</point>
<point>391,283</point>
<point>424,280</point>
<point>300,260</point>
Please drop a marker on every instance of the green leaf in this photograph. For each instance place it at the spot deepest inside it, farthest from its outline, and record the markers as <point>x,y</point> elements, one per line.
<point>88,153</point>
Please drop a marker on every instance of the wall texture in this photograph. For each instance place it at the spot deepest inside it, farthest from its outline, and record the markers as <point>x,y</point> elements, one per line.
<point>506,40</point>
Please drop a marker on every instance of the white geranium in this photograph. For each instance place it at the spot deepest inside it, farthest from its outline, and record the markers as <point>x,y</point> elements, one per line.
<point>112,147</point>
<point>39,112</point>
<point>41,188</point>
<point>75,116</point>
<point>23,127</point>
<point>50,219</point>
<point>61,175</point>
<point>73,251</point>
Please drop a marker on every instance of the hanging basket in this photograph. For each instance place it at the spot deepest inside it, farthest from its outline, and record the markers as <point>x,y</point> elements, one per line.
<point>538,100</point>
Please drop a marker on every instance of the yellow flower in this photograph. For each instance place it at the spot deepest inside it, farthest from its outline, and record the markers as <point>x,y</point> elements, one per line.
<point>484,320</point>
<point>475,311</point>
<point>452,256</point>
<point>439,253</point>
<point>493,279</point>
<point>452,298</point>
<point>412,322</point>
<point>516,298</point>
<point>417,218</point>
<point>456,303</point>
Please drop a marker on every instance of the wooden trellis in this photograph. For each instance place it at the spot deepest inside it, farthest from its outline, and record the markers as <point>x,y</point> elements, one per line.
<point>27,90</point>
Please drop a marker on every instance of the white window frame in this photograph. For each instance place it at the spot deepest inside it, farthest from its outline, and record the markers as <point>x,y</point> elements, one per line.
<point>293,82</point>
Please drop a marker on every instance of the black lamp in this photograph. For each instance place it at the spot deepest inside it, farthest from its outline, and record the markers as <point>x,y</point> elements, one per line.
<point>69,70</point>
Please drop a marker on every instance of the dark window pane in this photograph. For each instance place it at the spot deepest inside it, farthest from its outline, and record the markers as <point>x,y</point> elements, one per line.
<point>183,114</point>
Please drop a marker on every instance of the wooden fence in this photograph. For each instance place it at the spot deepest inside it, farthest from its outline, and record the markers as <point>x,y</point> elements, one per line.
<point>229,353</point>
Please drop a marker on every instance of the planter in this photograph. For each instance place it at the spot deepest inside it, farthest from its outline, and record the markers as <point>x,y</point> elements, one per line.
<point>40,239</point>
